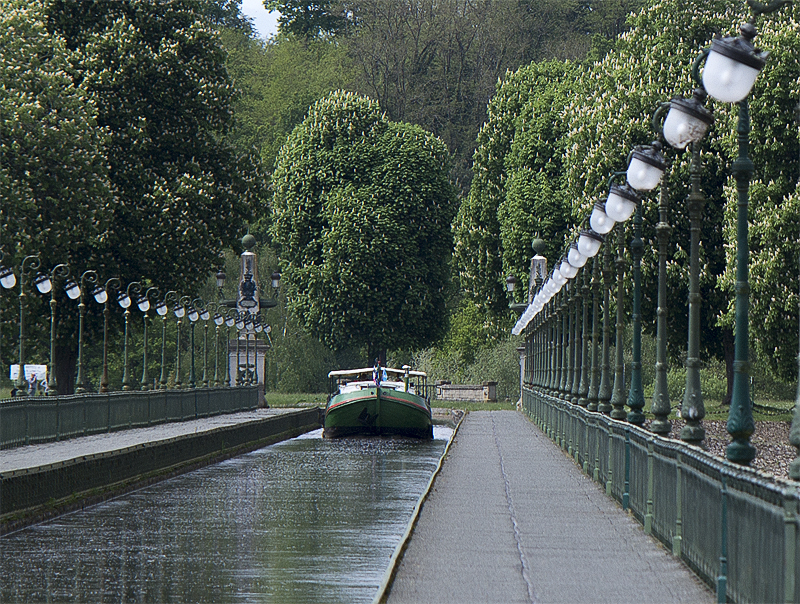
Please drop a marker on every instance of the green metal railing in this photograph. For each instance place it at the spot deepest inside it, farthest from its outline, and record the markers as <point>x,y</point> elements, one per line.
<point>31,420</point>
<point>734,526</point>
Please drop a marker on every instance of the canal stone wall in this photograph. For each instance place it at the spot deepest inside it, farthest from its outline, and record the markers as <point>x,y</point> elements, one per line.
<point>32,493</point>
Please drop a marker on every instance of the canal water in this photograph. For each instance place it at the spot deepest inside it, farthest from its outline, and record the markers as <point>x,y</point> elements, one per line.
<point>306,520</point>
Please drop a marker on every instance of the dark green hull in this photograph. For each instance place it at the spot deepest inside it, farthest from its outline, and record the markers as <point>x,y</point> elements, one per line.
<point>376,411</point>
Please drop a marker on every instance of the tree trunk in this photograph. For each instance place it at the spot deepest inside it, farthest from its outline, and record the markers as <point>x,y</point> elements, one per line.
<point>729,351</point>
<point>66,362</point>
<point>378,355</point>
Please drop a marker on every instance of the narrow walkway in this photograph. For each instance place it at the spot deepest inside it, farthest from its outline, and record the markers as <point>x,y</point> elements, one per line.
<point>511,519</point>
<point>32,456</point>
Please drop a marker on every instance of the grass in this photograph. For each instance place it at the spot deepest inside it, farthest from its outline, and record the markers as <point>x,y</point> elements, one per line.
<point>282,399</point>
<point>715,410</point>
<point>472,406</point>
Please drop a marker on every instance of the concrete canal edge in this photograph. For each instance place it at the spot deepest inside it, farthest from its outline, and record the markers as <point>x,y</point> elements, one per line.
<point>397,555</point>
<point>36,494</point>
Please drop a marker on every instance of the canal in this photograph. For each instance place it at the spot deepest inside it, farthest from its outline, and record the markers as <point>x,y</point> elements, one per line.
<point>305,520</point>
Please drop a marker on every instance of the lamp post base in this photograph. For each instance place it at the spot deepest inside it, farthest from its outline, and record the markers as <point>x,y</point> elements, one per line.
<point>693,434</point>
<point>741,451</point>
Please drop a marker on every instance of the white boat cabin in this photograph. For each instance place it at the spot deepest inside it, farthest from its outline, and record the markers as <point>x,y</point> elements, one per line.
<point>353,380</point>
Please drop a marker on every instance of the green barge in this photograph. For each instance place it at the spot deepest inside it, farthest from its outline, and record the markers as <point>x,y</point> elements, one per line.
<point>378,401</point>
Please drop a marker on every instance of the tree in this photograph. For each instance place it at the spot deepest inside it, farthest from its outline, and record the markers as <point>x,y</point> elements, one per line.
<point>53,175</point>
<point>277,83</point>
<point>436,62</point>
<point>361,217</point>
<point>517,189</point>
<point>308,20</point>
<point>774,197</point>
<point>138,92</point>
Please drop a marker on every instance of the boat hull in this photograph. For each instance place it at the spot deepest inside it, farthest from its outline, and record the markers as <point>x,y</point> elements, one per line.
<point>378,411</point>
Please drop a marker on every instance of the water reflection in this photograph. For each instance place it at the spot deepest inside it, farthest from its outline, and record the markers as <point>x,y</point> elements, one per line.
<point>308,520</point>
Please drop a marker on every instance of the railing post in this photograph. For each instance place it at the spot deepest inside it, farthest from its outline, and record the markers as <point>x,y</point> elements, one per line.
<point>626,487</point>
<point>789,543</point>
<point>594,376</point>
<point>722,579</point>
<point>677,539</point>
<point>648,517</point>
<point>583,392</point>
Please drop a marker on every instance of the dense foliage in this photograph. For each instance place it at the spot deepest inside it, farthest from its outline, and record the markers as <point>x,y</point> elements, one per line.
<point>608,105</point>
<point>117,159</point>
<point>361,214</point>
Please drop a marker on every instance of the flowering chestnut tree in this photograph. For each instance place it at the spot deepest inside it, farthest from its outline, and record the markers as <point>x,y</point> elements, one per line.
<point>361,217</point>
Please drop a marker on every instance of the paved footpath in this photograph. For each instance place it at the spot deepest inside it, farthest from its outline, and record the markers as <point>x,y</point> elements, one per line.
<point>511,519</point>
<point>32,456</point>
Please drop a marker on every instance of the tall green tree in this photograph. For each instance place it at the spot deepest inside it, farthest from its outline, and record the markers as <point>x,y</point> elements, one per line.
<point>361,215</point>
<point>277,82</point>
<point>130,101</point>
<point>308,20</point>
<point>774,241</point>
<point>517,192</point>
<point>54,184</point>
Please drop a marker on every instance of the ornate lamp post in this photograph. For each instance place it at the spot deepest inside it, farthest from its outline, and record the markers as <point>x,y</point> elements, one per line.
<point>604,395</point>
<point>220,282</point>
<point>7,280</point>
<point>730,72</point>
<point>230,320</point>
<point>144,305</point>
<point>194,315</point>
<point>28,265</point>
<point>219,320</point>
<point>687,122</point>
<point>617,401</point>
<point>239,327</point>
<point>90,278</point>
<point>180,312</point>
<point>124,300</point>
<point>73,292</point>
<point>114,284</point>
<point>162,309</point>
<point>645,168</point>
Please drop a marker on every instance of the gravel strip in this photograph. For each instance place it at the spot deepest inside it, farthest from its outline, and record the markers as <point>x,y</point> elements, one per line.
<point>771,440</point>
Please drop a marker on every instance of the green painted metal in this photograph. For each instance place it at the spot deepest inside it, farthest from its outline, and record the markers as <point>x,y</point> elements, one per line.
<point>740,416</point>
<point>378,411</point>
<point>594,375</point>
<point>692,409</point>
<point>32,420</point>
<point>661,405</point>
<point>618,392</point>
<point>636,392</point>
<point>705,510</point>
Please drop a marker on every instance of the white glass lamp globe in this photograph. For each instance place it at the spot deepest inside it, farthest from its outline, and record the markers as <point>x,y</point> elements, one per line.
<point>229,321</point>
<point>589,243</point>
<point>100,294</point>
<point>559,278</point>
<point>123,299</point>
<point>73,290</point>
<point>204,315</point>
<point>687,120</point>
<point>645,168</point>
<point>161,309</point>
<point>599,220</point>
<point>179,311</point>
<point>143,303</point>
<point>621,202</point>
<point>7,277</point>
<point>43,283</point>
<point>575,258</point>
<point>732,66</point>
<point>218,320</point>
<point>193,314</point>
<point>567,269</point>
